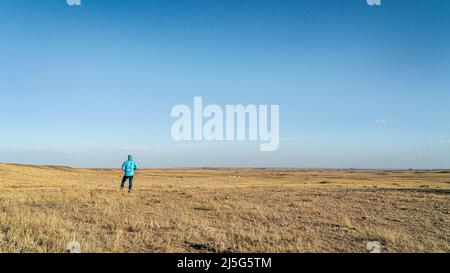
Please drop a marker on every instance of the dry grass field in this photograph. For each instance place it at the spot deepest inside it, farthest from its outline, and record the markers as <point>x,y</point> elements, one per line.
<point>42,208</point>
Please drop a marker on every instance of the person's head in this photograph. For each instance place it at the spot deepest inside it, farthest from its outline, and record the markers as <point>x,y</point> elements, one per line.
<point>130,157</point>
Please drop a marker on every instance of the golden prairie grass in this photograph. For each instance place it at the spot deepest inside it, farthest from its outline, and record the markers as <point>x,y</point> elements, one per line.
<point>42,208</point>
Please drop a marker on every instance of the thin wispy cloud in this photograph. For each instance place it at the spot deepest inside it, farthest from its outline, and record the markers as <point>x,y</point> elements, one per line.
<point>384,121</point>
<point>132,149</point>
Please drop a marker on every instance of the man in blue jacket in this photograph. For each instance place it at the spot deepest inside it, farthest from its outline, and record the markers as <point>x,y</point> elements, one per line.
<point>128,167</point>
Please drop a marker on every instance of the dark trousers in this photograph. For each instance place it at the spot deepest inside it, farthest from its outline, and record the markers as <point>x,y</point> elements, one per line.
<point>124,179</point>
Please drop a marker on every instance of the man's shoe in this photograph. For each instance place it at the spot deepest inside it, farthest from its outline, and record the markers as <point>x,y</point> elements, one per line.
<point>129,191</point>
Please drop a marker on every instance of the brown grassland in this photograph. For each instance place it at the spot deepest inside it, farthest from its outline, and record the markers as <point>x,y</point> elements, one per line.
<point>42,208</point>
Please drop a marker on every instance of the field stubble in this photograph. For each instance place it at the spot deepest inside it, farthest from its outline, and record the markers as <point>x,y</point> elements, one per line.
<point>42,208</point>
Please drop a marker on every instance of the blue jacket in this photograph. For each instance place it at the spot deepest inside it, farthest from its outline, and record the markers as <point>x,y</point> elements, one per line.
<point>129,166</point>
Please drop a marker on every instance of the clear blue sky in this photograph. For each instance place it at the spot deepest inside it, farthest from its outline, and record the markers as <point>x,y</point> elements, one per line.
<point>358,86</point>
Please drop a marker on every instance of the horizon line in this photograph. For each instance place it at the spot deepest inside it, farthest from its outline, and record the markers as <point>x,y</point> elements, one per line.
<point>225,167</point>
